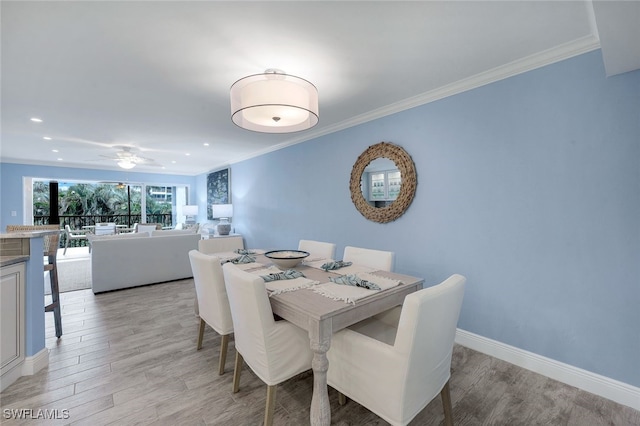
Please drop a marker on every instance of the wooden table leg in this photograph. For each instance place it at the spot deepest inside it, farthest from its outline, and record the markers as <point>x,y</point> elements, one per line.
<point>320,337</point>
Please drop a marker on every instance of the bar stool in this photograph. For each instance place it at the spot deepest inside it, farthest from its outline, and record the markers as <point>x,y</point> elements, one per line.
<point>51,243</point>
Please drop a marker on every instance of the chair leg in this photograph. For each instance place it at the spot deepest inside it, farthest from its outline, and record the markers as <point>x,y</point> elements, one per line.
<point>236,372</point>
<point>200,334</point>
<point>224,345</point>
<point>445,394</point>
<point>271,405</point>
<point>55,296</point>
<point>342,399</point>
<point>66,244</point>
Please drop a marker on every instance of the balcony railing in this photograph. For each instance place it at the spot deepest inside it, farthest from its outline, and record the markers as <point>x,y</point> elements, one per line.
<point>77,222</point>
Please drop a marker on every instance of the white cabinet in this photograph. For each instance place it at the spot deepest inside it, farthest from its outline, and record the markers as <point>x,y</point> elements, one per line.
<point>384,185</point>
<point>12,323</point>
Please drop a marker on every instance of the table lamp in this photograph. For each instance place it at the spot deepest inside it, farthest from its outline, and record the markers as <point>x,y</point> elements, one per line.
<point>190,212</point>
<point>222,212</point>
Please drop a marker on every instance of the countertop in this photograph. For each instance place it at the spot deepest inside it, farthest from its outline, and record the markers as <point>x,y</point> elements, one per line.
<point>11,260</point>
<point>29,234</point>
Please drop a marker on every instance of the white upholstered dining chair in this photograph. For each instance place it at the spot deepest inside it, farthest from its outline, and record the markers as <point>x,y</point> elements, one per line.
<point>396,362</point>
<point>217,245</point>
<point>213,304</point>
<point>377,259</point>
<point>274,350</point>
<point>318,249</point>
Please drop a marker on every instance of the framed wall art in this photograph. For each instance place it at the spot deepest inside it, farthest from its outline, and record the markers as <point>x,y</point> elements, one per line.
<point>218,189</point>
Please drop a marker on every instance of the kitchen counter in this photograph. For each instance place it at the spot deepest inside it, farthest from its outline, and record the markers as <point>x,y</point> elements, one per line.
<point>18,243</point>
<point>28,234</point>
<point>21,259</point>
<point>12,260</point>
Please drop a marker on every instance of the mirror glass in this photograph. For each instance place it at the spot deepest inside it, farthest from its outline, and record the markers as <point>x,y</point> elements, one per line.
<point>383,182</point>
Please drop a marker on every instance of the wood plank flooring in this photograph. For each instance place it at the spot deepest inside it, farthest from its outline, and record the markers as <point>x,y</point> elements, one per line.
<point>129,357</point>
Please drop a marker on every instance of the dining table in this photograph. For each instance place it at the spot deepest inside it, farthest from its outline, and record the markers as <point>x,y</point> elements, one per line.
<point>322,316</point>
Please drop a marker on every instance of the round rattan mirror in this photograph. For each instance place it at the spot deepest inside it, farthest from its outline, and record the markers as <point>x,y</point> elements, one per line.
<point>407,170</point>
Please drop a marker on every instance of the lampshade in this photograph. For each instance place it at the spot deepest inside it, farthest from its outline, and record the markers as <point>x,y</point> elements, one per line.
<point>190,210</point>
<point>274,102</point>
<point>222,210</point>
<point>126,164</point>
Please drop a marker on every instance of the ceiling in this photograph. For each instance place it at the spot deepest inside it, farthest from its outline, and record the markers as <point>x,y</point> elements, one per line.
<point>155,76</point>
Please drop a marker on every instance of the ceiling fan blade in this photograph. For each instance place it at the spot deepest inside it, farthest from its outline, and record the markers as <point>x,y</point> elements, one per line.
<point>109,157</point>
<point>125,154</point>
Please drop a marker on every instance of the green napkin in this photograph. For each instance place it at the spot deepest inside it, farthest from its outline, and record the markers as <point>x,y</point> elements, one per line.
<point>330,266</point>
<point>245,258</point>
<point>289,274</point>
<point>243,251</point>
<point>354,280</point>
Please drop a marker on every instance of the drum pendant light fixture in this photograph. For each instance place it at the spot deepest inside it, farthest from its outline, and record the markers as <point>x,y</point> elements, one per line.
<point>274,102</point>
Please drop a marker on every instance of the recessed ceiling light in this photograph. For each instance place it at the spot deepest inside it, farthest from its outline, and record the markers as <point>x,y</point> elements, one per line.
<point>187,154</point>
<point>36,120</point>
<point>59,159</point>
<point>173,162</point>
<point>46,138</point>
<point>205,144</point>
<point>54,150</point>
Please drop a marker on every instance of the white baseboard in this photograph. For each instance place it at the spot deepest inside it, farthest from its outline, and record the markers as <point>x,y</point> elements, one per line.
<point>28,367</point>
<point>605,387</point>
<point>33,364</point>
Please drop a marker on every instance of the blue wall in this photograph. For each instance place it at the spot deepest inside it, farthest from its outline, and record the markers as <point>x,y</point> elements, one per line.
<point>530,187</point>
<point>11,175</point>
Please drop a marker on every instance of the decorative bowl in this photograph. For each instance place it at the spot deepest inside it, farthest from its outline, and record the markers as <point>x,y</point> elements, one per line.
<point>286,259</point>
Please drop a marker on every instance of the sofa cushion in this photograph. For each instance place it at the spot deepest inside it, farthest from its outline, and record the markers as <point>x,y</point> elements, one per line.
<point>93,237</point>
<point>147,227</point>
<point>165,232</point>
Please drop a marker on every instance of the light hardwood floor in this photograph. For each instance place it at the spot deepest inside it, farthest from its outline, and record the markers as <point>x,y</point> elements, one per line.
<point>129,357</point>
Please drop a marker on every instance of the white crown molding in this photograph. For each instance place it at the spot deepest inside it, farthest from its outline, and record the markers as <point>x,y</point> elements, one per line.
<point>605,387</point>
<point>529,63</point>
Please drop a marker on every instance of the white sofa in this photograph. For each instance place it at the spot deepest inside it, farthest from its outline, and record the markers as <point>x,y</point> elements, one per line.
<point>162,232</point>
<point>132,261</point>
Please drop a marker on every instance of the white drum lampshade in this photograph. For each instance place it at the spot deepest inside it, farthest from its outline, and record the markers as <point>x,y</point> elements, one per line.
<point>274,102</point>
<point>191,212</point>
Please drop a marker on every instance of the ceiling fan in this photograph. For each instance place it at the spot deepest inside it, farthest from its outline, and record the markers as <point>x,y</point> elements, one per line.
<point>119,185</point>
<point>127,159</point>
